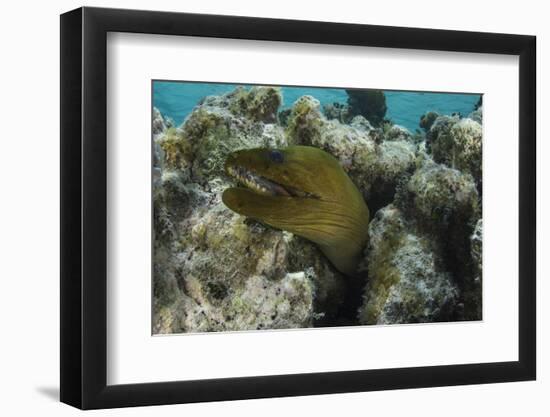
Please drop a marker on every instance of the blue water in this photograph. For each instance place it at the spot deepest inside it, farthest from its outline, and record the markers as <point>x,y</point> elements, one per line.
<point>177,99</point>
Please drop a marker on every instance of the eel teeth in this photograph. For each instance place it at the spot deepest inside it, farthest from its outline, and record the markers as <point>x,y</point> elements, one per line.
<point>257,183</point>
<point>264,186</point>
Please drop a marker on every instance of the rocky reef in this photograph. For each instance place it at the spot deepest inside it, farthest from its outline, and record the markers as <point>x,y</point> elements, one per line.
<point>215,270</point>
<point>370,104</point>
<point>456,143</point>
<point>408,282</point>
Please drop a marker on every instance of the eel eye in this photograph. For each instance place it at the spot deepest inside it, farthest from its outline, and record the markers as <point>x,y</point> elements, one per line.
<point>276,156</point>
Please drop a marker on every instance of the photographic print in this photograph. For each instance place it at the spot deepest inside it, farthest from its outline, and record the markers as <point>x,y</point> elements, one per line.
<point>286,207</point>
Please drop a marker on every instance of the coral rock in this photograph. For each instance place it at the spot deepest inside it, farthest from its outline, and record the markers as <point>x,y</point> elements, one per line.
<point>477,115</point>
<point>219,126</point>
<point>216,293</point>
<point>436,193</point>
<point>259,104</point>
<point>473,287</point>
<point>427,120</point>
<point>460,147</point>
<point>362,124</point>
<point>398,133</point>
<point>440,128</point>
<point>444,204</point>
<point>337,111</point>
<point>406,281</point>
<point>158,125</point>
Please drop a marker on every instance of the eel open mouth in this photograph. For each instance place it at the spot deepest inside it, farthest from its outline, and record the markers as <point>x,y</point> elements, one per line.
<point>264,186</point>
<point>305,191</point>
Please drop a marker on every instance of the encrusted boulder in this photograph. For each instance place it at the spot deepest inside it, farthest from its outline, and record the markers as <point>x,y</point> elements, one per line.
<point>362,124</point>
<point>279,281</point>
<point>258,304</point>
<point>427,120</point>
<point>477,247</point>
<point>259,104</point>
<point>219,126</point>
<point>158,128</point>
<point>444,204</point>
<point>407,281</point>
<point>158,125</point>
<point>437,195</point>
<point>473,286</point>
<point>439,128</point>
<point>337,111</point>
<point>476,115</point>
<point>394,163</point>
<point>398,133</point>
<point>459,146</point>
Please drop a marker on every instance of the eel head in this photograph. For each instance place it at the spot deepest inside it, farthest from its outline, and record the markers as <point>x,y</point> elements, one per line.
<point>303,190</point>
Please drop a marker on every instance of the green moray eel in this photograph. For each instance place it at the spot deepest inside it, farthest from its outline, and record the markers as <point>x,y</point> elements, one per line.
<point>303,190</point>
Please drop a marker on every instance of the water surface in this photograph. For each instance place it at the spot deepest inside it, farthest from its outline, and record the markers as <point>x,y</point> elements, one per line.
<point>177,99</point>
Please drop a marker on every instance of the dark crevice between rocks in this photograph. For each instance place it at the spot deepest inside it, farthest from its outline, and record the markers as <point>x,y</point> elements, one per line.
<point>456,254</point>
<point>346,312</point>
<point>384,194</point>
<point>452,238</point>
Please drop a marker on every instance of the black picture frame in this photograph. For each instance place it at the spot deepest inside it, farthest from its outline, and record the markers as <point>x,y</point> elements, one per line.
<point>84,207</point>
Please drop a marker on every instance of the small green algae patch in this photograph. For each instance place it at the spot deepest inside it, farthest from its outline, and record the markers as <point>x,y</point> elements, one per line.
<point>176,148</point>
<point>259,104</point>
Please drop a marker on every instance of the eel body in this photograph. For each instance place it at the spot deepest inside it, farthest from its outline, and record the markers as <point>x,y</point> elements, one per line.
<point>303,190</point>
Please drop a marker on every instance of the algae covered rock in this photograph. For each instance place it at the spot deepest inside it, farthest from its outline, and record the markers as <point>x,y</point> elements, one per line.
<point>259,104</point>
<point>460,147</point>
<point>477,115</point>
<point>477,242</point>
<point>394,159</point>
<point>444,204</point>
<point>439,195</point>
<point>362,124</point>
<point>330,284</point>
<point>174,147</point>
<point>440,129</point>
<point>337,111</point>
<point>427,120</point>
<point>219,126</point>
<point>158,128</point>
<point>398,133</point>
<point>305,122</point>
<point>407,283</point>
<point>259,304</point>
<point>158,125</point>
<point>283,116</point>
<point>473,287</point>
<point>224,272</point>
<point>395,162</point>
